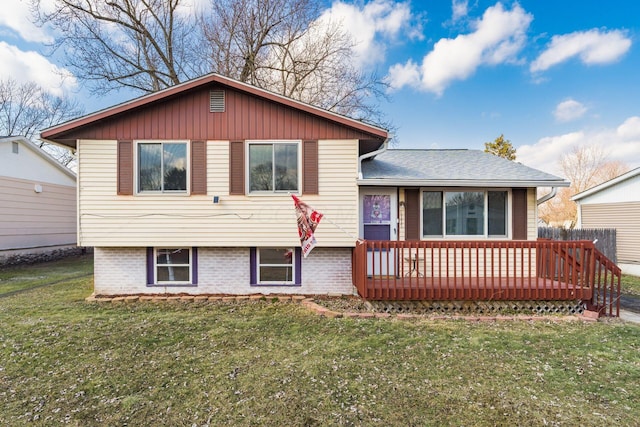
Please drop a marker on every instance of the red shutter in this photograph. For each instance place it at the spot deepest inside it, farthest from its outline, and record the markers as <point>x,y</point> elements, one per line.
<point>519,209</point>
<point>236,168</point>
<point>310,167</point>
<point>198,167</point>
<point>412,214</point>
<point>125,168</point>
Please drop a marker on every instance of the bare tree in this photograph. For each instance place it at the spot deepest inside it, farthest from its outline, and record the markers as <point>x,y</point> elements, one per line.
<point>589,166</point>
<point>280,45</point>
<point>146,45</point>
<point>584,167</point>
<point>26,109</point>
<point>283,46</point>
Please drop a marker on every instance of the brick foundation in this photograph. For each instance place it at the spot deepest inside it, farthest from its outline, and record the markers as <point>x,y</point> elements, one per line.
<point>122,271</point>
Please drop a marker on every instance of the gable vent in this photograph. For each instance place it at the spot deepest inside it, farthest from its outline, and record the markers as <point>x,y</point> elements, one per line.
<point>216,101</point>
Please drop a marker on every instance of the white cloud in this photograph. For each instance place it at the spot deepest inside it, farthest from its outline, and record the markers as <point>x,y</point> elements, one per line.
<point>460,8</point>
<point>630,129</point>
<point>592,47</point>
<point>569,110</point>
<point>498,37</point>
<point>30,66</point>
<point>621,144</point>
<point>404,74</point>
<point>372,25</point>
<point>17,17</point>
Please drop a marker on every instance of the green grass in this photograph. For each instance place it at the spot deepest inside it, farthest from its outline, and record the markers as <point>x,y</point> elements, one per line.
<point>630,284</point>
<point>18,278</point>
<point>63,360</point>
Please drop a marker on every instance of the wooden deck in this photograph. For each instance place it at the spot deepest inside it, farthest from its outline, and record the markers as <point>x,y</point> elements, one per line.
<point>487,270</point>
<point>474,289</point>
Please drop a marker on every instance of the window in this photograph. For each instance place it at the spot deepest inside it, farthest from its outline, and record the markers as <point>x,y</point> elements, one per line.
<point>276,266</point>
<point>464,213</point>
<point>497,221</point>
<point>273,167</point>
<point>14,147</point>
<point>172,266</point>
<point>162,167</point>
<point>432,213</point>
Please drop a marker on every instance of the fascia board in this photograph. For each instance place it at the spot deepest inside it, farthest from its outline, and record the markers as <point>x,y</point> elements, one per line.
<point>459,183</point>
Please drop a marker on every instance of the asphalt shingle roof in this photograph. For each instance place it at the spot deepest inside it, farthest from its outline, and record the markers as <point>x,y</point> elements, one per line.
<point>456,167</point>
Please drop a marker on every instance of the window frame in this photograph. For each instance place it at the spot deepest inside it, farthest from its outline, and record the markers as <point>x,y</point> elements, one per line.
<point>152,265</point>
<point>136,166</point>
<point>485,235</point>
<point>297,143</point>
<point>296,264</point>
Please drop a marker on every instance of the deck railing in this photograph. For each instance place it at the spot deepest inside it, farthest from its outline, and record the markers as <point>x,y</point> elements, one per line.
<point>486,270</point>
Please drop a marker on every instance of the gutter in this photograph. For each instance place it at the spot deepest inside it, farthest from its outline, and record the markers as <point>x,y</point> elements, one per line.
<point>385,146</point>
<point>549,196</point>
<point>471,183</point>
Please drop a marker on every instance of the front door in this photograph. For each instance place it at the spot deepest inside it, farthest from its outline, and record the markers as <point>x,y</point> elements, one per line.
<point>379,221</point>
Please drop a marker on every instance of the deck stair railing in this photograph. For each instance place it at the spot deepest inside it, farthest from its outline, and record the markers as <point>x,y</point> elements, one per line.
<point>486,270</point>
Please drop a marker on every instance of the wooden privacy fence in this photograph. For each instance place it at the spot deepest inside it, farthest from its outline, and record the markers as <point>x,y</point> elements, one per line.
<point>542,270</point>
<point>605,238</point>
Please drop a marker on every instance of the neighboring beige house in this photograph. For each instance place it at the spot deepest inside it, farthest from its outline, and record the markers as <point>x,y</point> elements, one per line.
<point>615,204</point>
<point>37,202</point>
<point>187,190</point>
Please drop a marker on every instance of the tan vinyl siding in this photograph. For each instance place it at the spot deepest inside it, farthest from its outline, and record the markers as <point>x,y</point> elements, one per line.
<point>625,218</point>
<point>29,219</point>
<point>107,219</point>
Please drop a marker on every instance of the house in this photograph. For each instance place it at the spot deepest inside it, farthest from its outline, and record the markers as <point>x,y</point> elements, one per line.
<point>187,190</point>
<point>37,203</point>
<point>615,204</point>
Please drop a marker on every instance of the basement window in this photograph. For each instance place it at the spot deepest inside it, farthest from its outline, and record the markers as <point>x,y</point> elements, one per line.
<point>276,266</point>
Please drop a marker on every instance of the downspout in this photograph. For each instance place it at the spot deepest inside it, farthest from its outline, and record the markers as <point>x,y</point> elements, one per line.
<point>549,196</point>
<point>380,150</point>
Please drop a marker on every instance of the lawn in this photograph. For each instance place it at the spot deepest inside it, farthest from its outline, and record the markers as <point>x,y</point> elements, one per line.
<point>17,278</point>
<point>630,285</point>
<point>63,360</point>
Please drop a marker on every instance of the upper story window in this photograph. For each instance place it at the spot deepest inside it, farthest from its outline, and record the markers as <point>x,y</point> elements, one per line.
<point>162,167</point>
<point>464,213</point>
<point>14,147</point>
<point>274,167</point>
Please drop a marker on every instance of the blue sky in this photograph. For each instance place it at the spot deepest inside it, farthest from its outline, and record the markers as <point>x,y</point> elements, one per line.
<point>550,76</point>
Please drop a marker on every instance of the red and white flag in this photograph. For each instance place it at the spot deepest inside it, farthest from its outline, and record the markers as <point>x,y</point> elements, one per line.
<point>308,220</point>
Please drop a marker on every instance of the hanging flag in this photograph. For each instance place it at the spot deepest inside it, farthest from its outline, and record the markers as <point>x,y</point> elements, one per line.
<point>308,220</point>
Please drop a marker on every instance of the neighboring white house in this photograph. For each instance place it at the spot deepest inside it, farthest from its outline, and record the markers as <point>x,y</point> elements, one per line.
<point>37,201</point>
<point>615,204</point>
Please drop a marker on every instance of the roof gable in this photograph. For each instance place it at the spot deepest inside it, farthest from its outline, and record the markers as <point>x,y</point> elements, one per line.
<point>607,185</point>
<point>182,112</point>
<point>38,165</point>
<point>470,168</point>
